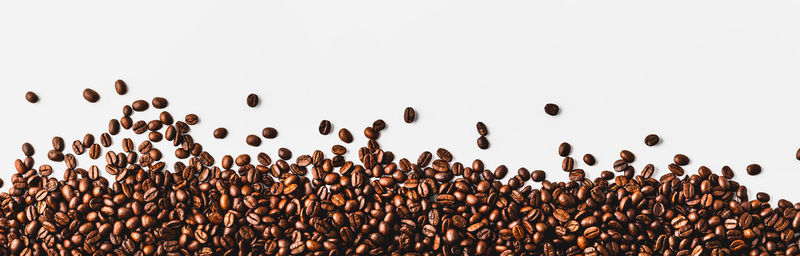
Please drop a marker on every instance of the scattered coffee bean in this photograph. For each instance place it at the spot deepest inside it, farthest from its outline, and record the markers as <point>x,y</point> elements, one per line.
<point>564,149</point>
<point>140,105</point>
<point>269,133</point>
<point>551,109</point>
<point>681,159</point>
<point>753,169</point>
<point>159,102</point>
<point>58,143</point>
<point>589,159</point>
<point>220,133</point>
<point>651,140</point>
<point>763,197</point>
<point>113,127</point>
<point>191,119</point>
<point>325,127</point>
<point>284,153</point>
<point>120,87</point>
<point>483,143</point>
<point>409,115</point>
<point>482,130</point>
<point>105,139</point>
<point>627,155</point>
<point>345,135</point>
<point>88,140</point>
<point>27,149</point>
<point>252,100</point>
<point>379,125</point>
<point>91,95</point>
<point>727,172</point>
<point>253,140</point>
<point>338,150</point>
<point>31,97</point>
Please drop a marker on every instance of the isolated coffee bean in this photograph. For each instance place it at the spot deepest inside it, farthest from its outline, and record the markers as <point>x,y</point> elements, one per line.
<point>338,150</point>
<point>651,140</point>
<point>252,100</point>
<point>284,153</point>
<point>681,159</point>
<point>409,115</point>
<point>253,140</point>
<point>140,105</point>
<point>91,95</point>
<point>727,172</point>
<point>58,143</point>
<point>627,155</point>
<point>31,97</point>
<point>160,102</point>
<point>482,130</point>
<point>113,127</point>
<point>538,175</point>
<point>220,133</point>
<point>120,87</point>
<point>88,140</point>
<point>379,125</point>
<point>589,159</point>
<point>551,109</point>
<point>105,139</point>
<point>269,133</point>
<point>191,119</point>
<point>27,149</point>
<point>483,143</point>
<point>325,127</point>
<point>345,135</point>
<point>564,149</point>
<point>753,169</point>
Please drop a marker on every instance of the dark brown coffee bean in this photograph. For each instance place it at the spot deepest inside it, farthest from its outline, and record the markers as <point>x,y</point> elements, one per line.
<point>325,127</point>
<point>651,140</point>
<point>113,127</point>
<point>120,87</point>
<point>551,109</point>
<point>564,149</point>
<point>628,156</point>
<point>338,150</point>
<point>483,143</point>
<point>538,175</point>
<point>727,172</point>
<point>681,159</point>
<point>284,153</point>
<point>31,97</point>
<point>269,133</point>
<point>140,105</point>
<point>252,100</point>
<point>55,156</point>
<point>409,115</point>
<point>105,139</point>
<point>253,140</point>
<point>126,122</point>
<point>345,135</point>
<point>763,197</point>
<point>620,165</point>
<point>77,147</point>
<point>191,119</point>
<point>95,151</point>
<point>371,133</point>
<point>589,159</point>
<point>159,102</point>
<point>647,171</point>
<point>90,95</point>
<point>753,169</point>
<point>220,133</point>
<point>482,130</point>
<point>27,149</point>
<point>444,154</point>
<point>58,143</point>
<point>676,169</point>
<point>379,125</point>
<point>88,140</point>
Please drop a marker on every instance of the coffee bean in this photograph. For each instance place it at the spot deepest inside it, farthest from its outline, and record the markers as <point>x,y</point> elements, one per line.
<point>564,149</point>
<point>58,143</point>
<point>120,87</point>
<point>338,150</point>
<point>551,109</point>
<point>676,169</point>
<point>31,97</point>
<point>159,102</point>
<point>325,127</point>
<point>538,175</point>
<point>763,197</point>
<point>253,140</point>
<point>27,149</point>
<point>483,143</point>
<point>77,147</point>
<point>345,135</point>
<point>379,125</point>
<point>252,100</point>
<point>94,151</point>
<point>589,159</point>
<point>220,133</point>
<point>681,159</point>
<point>753,169</point>
<point>647,171</point>
<point>371,133</point>
<point>284,153</point>
<point>651,140</point>
<point>409,115</point>
<point>628,156</point>
<point>269,133</point>
<point>88,140</point>
<point>191,119</point>
<point>482,130</point>
<point>140,105</point>
<point>727,172</point>
<point>113,127</point>
<point>91,95</point>
<point>105,139</point>
<point>620,165</point>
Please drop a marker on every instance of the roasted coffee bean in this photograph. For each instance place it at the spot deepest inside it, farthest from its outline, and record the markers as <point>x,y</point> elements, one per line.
<point>191,119</point>
<point>763,197</point>
<point>77,147</point>
<point>483,143</point>
<point>482,130</point>
<point>27,149</point>
<point>31,97</point>
<point>325,127</point>
<point>379,125</point>
<point>91,95</point>
<point>253,140</point>
<point>94,151</point>
<point>120,87</point>
<point>252,100</point>
<point>627,155</point>
<point>444,154</point>
<point>284,153</point>
<point>371,133</point>
<point>409,115</point>
<point>551,109</point>
<point>105,139</point>
<point>538,175</point>
<point>676,169</point>
<point>753,169</point>
<point>727,172</point>
<point>88,140</point>
<point>620,165</point>
<point>589,159</point>
<point>651,140</point>
<point>113,127</point>
<point>564,149</point>
<point>338,150</point>
<point>269,133</point>
<point>345,135</point>
<point>220,133</point>
<point>140,105</point>
<point>159,102</point>
<point>681,159</point>
<point>58,143</point>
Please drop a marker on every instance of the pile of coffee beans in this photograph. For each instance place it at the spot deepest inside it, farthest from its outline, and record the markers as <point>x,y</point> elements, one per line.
<point>376,204</point>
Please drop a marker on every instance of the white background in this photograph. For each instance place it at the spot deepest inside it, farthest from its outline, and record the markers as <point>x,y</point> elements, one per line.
<point>718,80</point>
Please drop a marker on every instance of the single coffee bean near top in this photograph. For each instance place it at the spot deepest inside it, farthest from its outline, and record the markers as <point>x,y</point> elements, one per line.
<point>140,105</point>
<point>753,169</point>
<point>220,133</point>
<point>31,97</point>
<point>482,130</point>
<point>325,127</point>
<point>91,95</point>
<point>252,100</point>
<point>120,87</point>
<point>651,140</point>
<point>681,159</point>
<point>345,135</point>
<point>253,140</point>
<point>160,102</point>
<point>269,133</point>
<point>564,149</point>
<point>483,143</point>
<point>409,115</point>
<point>551,109</point>
<point>589,159</point>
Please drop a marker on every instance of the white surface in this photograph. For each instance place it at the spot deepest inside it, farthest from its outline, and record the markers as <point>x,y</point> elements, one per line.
<point>717,80</point>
